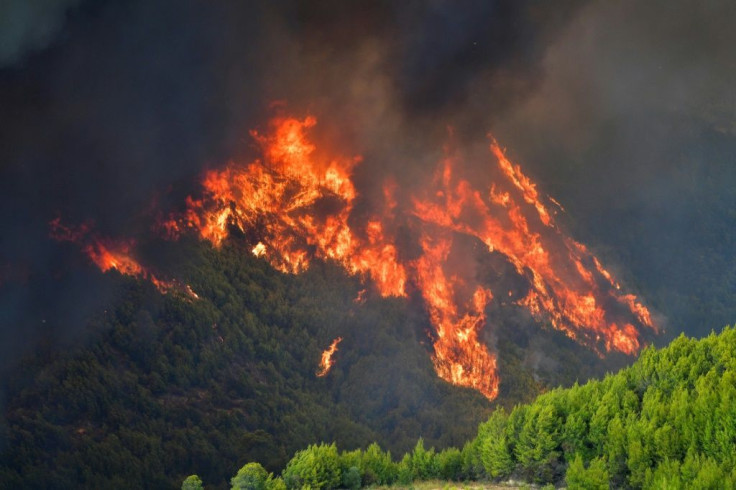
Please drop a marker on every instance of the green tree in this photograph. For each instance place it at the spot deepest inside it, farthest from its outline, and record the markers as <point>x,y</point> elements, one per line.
<point>594,477</point>
<point>317,466</point>
<point>349,459</point>
<point>494,450</point>
<point>423,462</point>
<point>377,466</point>
<point>351,478</point>
<point>614,450</point>
<point>252,476</point>
<point>275,484</point>
<point>405,471</point>
<point>666,475</point>
<point>537,448</point>
<point>450,464</point>
<point>192,482</point>
<point>472,465</point>
<point>497,458</point>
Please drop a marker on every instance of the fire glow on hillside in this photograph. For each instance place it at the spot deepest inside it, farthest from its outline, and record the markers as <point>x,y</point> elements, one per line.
<point>299,205</point>
<point>327,361</point>
<point>109,254</point>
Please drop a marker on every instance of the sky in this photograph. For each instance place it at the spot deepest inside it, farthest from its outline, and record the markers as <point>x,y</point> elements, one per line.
<point>623,111</point>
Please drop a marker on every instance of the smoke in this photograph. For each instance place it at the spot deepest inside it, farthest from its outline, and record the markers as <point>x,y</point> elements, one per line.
<point>30,25</point>
<point>633,126</point>
<point>630,63</point>
<point>134,98</point>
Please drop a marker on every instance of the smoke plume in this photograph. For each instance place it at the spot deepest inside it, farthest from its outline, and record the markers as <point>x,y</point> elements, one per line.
<point>113,108</point>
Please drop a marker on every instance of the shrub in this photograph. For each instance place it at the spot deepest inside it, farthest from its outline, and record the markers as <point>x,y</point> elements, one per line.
<point>192,482</point>
<point>318,466</point>
<point>252,476</point>
<point>351,478</point>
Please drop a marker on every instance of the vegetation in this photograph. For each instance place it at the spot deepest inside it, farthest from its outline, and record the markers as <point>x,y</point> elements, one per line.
<point>668,421</point>
<point>166,385</point>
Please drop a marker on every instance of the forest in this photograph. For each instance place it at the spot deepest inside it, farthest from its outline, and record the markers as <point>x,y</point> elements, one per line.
<point>138,349</point>
<point>668,421</point>
<point>165,385</point>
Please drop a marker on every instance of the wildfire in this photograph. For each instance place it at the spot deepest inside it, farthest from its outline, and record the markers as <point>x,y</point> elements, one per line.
<point>327,361</point>
<point>108,254</point>
<point>299,204</point>
<point>459,357</point>
<point>296,204</point>
<point>569,287</point>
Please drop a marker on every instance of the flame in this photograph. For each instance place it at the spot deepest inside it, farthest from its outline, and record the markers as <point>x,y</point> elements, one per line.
<point>282,196</point>
<point>459,357</point>
<point>300,204</point>
<point>296,203</point>
<point>108,254</point>
<point>259,249</point>
<point>326,363</point>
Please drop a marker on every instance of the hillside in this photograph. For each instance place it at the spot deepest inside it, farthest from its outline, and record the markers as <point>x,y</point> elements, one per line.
<point>668,421</point>
<point>167,383</point>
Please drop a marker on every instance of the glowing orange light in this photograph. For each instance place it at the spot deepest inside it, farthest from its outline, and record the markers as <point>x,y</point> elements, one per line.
<point>299,201</point>
<point>326,363</point>
<point>108,254</point>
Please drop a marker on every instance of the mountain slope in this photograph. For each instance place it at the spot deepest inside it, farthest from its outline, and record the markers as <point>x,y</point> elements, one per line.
<point>668,421</point>
<point>168,384</point>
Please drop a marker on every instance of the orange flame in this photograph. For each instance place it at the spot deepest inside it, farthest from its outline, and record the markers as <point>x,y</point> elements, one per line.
<point>459,357</point>
<point>299,204</point>
<point>107,254</point>
<point>326,363</point>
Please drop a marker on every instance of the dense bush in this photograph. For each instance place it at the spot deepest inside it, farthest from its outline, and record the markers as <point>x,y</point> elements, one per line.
<point>318,466</point>
<point>192,482</point>
<point>252,476</point>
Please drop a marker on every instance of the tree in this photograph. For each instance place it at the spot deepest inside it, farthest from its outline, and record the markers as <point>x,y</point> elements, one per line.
<point>351,478</point>
<point>423,462</point>
<point>496,457</point>
<point>252,476</point>
<point>450,464</point>
<point>494,451</point>
<point>192,482</point>
<point>405,473</point>
<point>317,466</point>
<point>537,448</point>
<point>377,467</point>
<point>595,477</point>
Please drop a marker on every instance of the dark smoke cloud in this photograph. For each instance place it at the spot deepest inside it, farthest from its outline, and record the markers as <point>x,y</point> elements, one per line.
<point>136,98</point>
<point>634,124</point>
<point>630,60</point>
<point>112,104</point>
<point>129,100</point>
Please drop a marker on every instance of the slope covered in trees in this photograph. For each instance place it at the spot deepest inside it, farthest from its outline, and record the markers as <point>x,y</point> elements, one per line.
<point>167,385</point>
<point>668,421</point>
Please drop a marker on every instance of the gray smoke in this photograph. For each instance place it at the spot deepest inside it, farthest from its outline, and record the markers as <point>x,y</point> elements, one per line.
<point>623,111</point>
<point>30,25</point>
<point>633,125</point>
